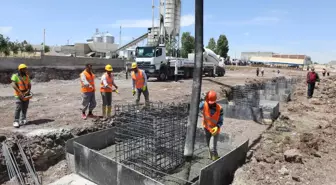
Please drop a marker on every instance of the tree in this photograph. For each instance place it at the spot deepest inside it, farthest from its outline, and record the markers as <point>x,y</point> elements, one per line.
<point>188,44</point>
<point>14,46</point>
<point>212,44</point>
<point>4,45</point>
<point>46,49</point>
<point>222,46</point>
<point>29,48</point>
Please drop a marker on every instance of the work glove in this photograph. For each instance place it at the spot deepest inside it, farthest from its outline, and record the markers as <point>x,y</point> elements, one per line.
<point>133,91</point>
<point>144,88</point>
<point>214,131</point>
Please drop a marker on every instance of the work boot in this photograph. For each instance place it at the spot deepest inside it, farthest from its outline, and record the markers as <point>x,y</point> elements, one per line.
<point>16,124</point>
<point>84,116</point>
<point>90,115</point>
<point>109,111</point>
<point>214,156</point>
<point>104,112</point>
<point>210,155</point>
<point>23,122</point>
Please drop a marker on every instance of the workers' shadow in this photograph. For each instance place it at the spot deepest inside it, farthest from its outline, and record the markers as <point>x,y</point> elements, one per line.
<point>39,121</point>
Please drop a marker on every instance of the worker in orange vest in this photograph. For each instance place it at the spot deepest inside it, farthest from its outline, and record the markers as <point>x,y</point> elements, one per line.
<point>106,89</point>
<point>22,86</point>
<point>212,121</point>
<point>139,83</point>
<point>88,89</point>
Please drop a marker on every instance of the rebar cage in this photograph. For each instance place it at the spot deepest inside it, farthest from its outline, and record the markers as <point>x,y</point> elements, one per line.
<point>151,140</point>
<point>249,94</point>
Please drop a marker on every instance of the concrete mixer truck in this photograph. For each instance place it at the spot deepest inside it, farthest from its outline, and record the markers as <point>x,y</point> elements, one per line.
<point>153,60</point>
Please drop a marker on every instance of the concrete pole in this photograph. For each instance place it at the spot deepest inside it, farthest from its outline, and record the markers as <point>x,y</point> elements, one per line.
<point>43,42</point>
<point>120,37</point>
<point>197,81</point>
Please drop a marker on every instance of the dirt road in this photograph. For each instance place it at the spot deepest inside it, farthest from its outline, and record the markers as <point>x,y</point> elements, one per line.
<point>56,104</point>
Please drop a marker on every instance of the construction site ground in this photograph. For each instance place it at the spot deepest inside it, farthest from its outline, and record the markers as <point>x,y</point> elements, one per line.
<point>56,105</point>
<point>299,148</point>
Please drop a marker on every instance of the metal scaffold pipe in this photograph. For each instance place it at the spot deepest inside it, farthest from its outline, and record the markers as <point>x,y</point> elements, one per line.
<point>197,81</point>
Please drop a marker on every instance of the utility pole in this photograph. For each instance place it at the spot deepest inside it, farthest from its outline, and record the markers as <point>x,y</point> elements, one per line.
<point>153,8</point>
<point>43,49</point>
<point>120,37</point>
<point>197,82</point>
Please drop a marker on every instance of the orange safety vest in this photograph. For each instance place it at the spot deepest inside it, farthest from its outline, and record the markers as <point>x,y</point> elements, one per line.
<point>139,79</point>
<point>109,80</point>
<point>23,86</point>
<point>210,121</point>
<point>90,79</point>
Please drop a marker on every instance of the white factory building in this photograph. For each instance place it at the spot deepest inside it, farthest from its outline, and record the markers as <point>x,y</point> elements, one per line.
<point>100,45</point>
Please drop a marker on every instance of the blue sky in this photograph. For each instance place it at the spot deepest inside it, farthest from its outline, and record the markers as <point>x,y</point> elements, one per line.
<point>283,26</point>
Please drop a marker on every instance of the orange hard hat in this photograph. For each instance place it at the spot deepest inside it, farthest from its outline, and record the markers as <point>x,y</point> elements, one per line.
<point>212,97</point>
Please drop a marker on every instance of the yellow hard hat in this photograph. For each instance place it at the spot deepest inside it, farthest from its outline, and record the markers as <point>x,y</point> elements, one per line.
<point>134,65</point>
<point>22,66</point>
<point>108,67</point>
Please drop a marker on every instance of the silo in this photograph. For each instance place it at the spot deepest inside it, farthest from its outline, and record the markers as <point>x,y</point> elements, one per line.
<point>177,16</point>
<point>97,38</point>
<point>169,20</point>
<point>108,38</point>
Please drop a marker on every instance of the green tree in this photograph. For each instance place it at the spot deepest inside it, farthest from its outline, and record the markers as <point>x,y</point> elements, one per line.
<point>46,49</point>
<point>29,48</point>
<point>188,44</point>
<point>4,45</point>
<point>212,44</point>
<point>222,46</point>
<point>14,46</point>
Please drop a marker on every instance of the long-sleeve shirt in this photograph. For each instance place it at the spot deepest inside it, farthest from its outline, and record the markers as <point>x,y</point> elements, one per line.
<point>145,77</point>
<point>212,112</point>
<point>103,79</point>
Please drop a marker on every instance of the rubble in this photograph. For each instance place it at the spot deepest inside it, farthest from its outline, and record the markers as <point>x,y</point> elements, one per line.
<point>293,155</point>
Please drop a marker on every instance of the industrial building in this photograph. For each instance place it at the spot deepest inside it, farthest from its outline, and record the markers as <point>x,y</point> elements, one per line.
<point>281,60</point>
<point>100,45</point>
<point>271,58</point>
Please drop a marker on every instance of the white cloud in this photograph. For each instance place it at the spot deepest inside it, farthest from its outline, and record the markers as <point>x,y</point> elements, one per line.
<point>186,20</point>
<point>5,29</point>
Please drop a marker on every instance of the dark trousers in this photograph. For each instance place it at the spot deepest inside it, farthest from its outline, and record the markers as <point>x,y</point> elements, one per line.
<point>146,95</point>
<point>107,98</point>
<point>21,110</point>
<point>311,87</point>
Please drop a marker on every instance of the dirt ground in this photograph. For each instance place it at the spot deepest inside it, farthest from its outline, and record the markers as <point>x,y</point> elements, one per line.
<point>56,105</point>
<point>300,147</point>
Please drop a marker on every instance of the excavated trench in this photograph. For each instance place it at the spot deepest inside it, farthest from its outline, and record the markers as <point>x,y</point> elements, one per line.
<point>47,150</point>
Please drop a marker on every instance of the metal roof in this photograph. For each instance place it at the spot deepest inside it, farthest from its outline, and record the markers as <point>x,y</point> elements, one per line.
<point>276,60</point>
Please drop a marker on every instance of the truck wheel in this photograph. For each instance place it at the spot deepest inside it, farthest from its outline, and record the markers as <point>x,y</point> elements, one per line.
<point>162,76</point>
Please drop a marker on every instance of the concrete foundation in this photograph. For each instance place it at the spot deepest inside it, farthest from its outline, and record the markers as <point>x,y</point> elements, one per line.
<point>267,110</point>
<point>88,156</point>
<point>73,179</point>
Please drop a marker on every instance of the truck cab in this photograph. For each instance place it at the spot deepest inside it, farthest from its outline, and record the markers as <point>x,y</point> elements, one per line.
<point>151,59</point>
